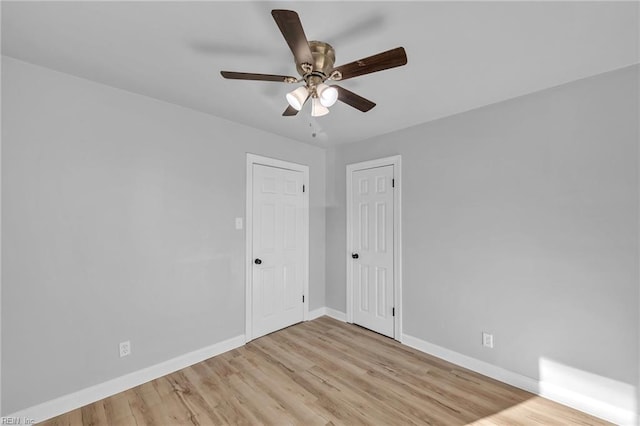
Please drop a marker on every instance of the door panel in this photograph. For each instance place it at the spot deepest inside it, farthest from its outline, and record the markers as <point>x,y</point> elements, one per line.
<point>364,287</point>
<point>372,239</point>
<point>277,284</point>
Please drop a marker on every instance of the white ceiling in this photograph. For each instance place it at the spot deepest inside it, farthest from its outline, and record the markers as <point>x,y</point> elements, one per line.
<point>461,55</point>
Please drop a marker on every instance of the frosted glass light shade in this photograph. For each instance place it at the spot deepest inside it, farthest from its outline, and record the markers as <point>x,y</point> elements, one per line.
<point>317,109</point>
<point>328,95</point>
<point>297,97</point>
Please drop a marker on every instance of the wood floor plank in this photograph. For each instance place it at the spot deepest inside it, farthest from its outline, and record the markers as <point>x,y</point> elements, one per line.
<point>214,391</point>
<point>94,415</point>
<point>143,415</point>
<point>201,413</point>
<point>117,408</point>
<point>324,372</point>
<point>281,394</point>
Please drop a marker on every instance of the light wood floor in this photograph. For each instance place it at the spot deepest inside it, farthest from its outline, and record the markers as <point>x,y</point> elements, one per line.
<point>324,372</point>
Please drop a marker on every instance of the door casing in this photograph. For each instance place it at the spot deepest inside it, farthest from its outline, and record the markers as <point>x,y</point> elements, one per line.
<point>396,162</point>
<point>272,162</point>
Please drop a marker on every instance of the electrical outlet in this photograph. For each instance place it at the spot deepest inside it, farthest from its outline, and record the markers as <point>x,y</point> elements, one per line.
<point>125,348</point>
<point>487,340</point>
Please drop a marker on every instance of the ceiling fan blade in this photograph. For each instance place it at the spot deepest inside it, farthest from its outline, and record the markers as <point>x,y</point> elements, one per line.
<point>290,111</point>
<point>261,77</point>
<point>291,28</point>
<point>382,61</point>
<point>351,99</point>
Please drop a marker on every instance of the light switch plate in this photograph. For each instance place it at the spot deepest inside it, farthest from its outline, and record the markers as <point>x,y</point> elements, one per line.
<point>238,223</point>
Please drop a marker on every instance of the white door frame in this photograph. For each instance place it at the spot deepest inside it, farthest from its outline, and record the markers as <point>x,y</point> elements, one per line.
<point>248,277</point>
<point>396,162</point>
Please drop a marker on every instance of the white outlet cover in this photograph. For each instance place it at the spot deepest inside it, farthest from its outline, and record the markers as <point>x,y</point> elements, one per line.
<point>238,223</point>
<point>125,348</point>
<point>487,340</point>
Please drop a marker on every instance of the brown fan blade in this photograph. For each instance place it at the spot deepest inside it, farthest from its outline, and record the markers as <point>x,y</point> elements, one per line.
<point>382,61</point>
<point>290,111</point>
<point>356,101</point>
<point>291,28</point>
<point>261,77</point>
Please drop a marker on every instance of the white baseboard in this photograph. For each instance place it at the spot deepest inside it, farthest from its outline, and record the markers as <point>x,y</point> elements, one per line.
<point>95,393</point>
<point>317,313</point>
<point>571,398</point>
<point>340,316</point>
<point>320,312</point>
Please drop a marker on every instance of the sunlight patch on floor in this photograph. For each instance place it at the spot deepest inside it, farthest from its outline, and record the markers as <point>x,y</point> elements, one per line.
<point>530,411</point>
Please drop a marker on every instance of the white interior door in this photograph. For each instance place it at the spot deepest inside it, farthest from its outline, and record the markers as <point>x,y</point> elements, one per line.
<point>277,248</point>
<point>372,243</point>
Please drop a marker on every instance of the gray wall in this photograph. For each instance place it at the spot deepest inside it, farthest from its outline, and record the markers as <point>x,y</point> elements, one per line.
<point>118,224</point>
<point>117,215</point>
<point>520,219</point>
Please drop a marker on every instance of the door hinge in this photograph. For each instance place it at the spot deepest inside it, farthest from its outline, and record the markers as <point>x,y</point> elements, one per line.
<point>393,183</point>
<point>393,312</point>
<point>302,188</point>
<point>303,298</point>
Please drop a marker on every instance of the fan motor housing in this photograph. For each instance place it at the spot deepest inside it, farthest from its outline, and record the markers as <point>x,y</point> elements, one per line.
<point>324,56</point>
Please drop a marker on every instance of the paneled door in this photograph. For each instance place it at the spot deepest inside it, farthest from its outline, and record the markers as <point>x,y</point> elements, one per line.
<point>372,244</point>
<point>277,249</point>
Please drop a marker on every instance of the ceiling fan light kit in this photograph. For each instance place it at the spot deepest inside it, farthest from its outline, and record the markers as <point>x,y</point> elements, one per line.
<point>298,97</point>
<point>317,109</point>
<point>328,95</point>
<point>314,62</point>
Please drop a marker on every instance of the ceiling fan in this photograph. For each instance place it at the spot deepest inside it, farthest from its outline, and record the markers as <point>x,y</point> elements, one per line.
<point>314,62</point>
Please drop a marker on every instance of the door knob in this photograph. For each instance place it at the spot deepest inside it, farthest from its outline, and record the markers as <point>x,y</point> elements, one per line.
<point>355,255</point>
<point>257,261</point>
